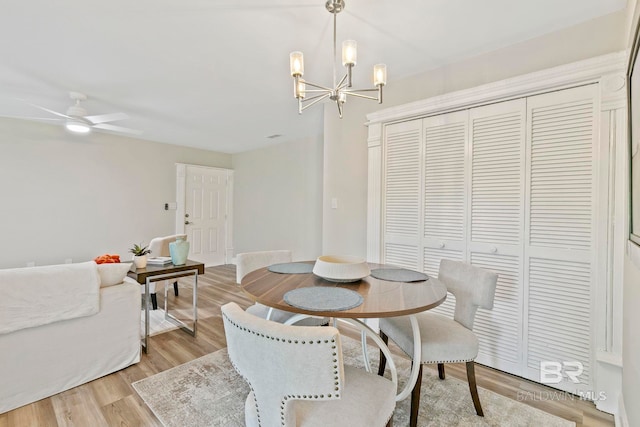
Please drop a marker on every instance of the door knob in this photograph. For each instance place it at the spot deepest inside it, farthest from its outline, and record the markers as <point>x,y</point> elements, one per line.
<point>187,223</point>
<point>186,215</point>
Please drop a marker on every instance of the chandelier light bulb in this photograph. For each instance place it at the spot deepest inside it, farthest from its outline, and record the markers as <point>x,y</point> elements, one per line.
<point>379,75</point>
<point>296,62</point>
<point>301,89</point>
<point>349,52</point>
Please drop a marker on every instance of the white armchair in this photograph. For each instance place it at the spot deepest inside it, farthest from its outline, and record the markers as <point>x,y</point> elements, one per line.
<point>251,261</point>
<point>297,377</point>
<point>159,246</point>
<point>446,340</point>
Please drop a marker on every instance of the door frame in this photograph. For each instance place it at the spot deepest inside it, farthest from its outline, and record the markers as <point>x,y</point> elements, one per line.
<point>181,185</point>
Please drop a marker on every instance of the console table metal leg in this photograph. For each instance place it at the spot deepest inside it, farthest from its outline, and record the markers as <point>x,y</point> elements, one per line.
<point>147,301</point>
<point>180,323</point>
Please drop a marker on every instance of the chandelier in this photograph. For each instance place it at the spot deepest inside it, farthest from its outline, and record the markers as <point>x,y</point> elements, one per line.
<point>342,88</point>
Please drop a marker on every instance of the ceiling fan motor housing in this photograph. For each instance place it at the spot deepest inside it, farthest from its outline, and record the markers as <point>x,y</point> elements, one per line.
<point>76,111</point>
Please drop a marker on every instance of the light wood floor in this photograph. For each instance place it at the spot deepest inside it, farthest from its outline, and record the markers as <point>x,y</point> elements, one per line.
<point>111,401</point>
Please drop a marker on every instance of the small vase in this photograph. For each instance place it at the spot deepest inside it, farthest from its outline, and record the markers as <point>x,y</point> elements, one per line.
<point>179,250</point>
<point>140,261</point>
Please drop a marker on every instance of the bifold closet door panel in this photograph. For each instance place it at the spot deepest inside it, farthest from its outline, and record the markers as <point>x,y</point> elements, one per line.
<point>401,186</point>
<point>559,250</point>
<point>496,225</point>
<point>445,139</point>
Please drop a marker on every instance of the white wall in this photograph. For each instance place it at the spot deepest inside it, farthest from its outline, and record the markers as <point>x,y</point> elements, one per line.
<point>68,196</point>
<point>278,198</point>
<point>345,167</point>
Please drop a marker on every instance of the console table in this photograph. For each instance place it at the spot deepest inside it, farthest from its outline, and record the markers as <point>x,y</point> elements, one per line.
<point>155,273</point>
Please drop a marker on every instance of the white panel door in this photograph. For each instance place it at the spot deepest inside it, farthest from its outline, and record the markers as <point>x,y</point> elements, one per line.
<point>401,189</point>
<point>205,214</point>
<point>559,232</point>
<point>496,225</point>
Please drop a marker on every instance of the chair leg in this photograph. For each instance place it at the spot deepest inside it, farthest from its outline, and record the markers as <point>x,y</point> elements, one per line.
<point>415,399</point>
<point>441,370</point>
<point>175,288</point>
<point>471,377</point>
<point>154,301</point>
<point>383,359</point>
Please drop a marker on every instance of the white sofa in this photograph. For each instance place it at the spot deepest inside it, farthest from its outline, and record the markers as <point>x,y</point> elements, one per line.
<point>64,325</point>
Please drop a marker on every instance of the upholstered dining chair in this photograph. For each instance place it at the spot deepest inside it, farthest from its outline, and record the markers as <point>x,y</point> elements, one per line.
<point>159,246</point>
<point>250,261</point>
<point>446,340</point>
<point>297,377</point>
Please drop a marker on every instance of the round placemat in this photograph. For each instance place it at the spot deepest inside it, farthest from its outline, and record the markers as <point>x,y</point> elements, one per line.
<point>321,298</point>
<point>291,268</point>
<point>399,275</point>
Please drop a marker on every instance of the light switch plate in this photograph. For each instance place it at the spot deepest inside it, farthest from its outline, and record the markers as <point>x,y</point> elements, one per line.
<point>334,203</point>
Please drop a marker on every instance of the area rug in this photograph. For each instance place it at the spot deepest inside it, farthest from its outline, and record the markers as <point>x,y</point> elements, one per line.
<point>157,323</point>
<point>208,392</point>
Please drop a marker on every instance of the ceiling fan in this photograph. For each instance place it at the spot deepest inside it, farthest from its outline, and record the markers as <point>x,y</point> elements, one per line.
<point>76,119</point>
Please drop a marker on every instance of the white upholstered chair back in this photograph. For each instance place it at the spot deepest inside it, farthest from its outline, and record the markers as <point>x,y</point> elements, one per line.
<point>283,363</point>
<point>160,245</point>
<point>250,261</point>
<point>472,286</point>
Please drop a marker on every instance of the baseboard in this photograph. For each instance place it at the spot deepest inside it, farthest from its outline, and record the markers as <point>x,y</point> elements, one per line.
<point>621,417</point>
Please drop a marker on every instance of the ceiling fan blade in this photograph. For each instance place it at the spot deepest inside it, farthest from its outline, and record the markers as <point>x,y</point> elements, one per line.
<point>117,129</point>
<point>112,117</point>
<point>46,109</point>
<point>39,119</point>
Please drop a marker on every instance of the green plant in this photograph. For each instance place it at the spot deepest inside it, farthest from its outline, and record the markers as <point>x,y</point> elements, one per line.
<point>139,250</point>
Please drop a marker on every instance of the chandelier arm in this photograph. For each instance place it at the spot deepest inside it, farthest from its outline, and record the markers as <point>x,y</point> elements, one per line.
<point>360,90</point>
<point>342,84</point>
<point>314,97</point>
<point>315,101</point>
<point>328,89</point>
<point>316,91</point>
<point>375,98</point>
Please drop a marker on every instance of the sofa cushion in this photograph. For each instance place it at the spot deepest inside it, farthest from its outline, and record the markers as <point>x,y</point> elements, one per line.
<point>36,296</point>
<point>112,274</point>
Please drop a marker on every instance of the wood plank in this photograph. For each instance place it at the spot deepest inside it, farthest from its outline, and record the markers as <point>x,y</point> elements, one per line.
<point>78,407</point>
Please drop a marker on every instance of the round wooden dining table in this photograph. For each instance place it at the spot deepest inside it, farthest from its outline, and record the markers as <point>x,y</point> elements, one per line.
<point>381,298</point>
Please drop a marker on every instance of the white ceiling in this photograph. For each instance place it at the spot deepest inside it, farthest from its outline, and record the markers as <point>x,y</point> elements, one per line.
<point>215,74</point>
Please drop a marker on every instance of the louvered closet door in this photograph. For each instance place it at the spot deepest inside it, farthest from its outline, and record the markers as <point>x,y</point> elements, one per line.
<point>444,141</point>
<point>496,226</point>
<point>561,139</point>
<point>401,187</point>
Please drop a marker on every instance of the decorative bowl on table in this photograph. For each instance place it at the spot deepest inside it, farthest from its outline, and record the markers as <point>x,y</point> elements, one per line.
<point>343,269</point>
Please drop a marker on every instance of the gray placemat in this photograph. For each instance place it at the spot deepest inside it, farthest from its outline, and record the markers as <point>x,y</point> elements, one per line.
<point>291,268</point>
<point>399,275</point>
<point>320,298</point>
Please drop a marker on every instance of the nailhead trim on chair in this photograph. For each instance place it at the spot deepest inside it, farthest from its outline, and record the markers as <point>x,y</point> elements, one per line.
<point>439,361</point>
<point>290,396</point>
